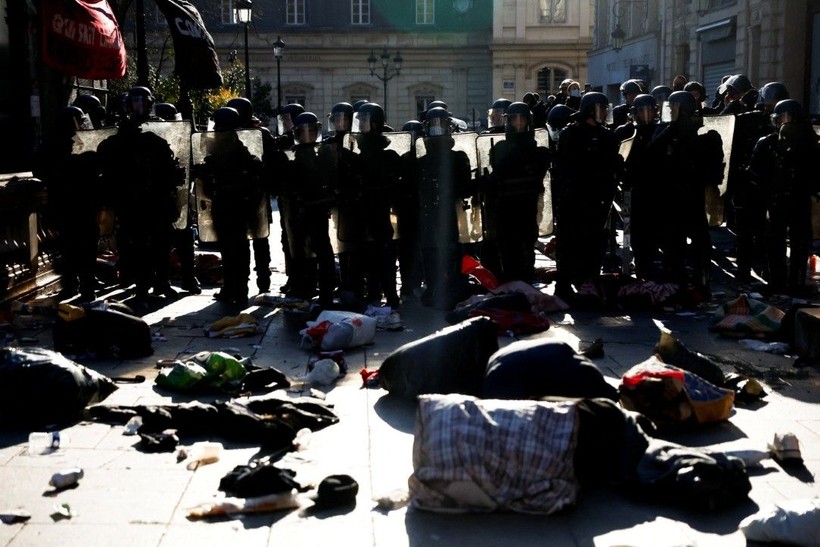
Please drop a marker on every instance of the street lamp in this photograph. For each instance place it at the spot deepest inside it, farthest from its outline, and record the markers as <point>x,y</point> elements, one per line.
<point>385,59</point>
<point>619,10</point>
<point>703,7</point>
<point>244,12</point>
<point>278,52</point>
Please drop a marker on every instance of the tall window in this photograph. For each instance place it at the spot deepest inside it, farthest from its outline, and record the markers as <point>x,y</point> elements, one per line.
<point>425,11</point>
<point>295,12</point>
<point>553,11</point>
<point>360,12</point>
<point>228,12</point>
<point>549,80</point>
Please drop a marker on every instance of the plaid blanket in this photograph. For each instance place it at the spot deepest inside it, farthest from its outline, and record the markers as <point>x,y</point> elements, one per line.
<point>485,455</point>
<point>744,316</point>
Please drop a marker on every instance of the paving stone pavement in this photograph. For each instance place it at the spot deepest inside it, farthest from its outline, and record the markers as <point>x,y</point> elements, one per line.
<point>131,498</point>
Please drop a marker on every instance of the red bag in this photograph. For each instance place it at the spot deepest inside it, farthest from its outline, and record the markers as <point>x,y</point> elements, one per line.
<point>472,267</point>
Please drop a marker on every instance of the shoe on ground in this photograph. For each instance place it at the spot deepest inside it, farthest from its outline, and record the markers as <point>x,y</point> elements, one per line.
<point>191,286</point>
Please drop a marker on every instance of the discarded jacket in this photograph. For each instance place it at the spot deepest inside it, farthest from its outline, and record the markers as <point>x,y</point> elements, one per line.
<point>101,330</point>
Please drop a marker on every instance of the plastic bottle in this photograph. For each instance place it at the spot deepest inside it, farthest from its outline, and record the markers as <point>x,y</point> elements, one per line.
<point>45,442</point>
<point>66,478</point>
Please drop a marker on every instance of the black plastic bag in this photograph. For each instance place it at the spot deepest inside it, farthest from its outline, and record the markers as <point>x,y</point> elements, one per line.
<point>40,387</point>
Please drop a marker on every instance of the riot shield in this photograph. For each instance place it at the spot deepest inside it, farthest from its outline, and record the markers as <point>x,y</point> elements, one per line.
<point>213,143</point>
<point>546,224</point>
<point>725,127</point>
<point>178,136</point>
<point>484,144</point>
<point>815,205</point>
<point>88,141</point>
<point>468,210</point>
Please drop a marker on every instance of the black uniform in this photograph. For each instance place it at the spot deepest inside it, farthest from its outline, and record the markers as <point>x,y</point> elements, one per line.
<point>691,163</point>
<point>73,203</point>
<point>306,198</point>
<point>784,164</point>
<point>443,179</point>
<point>142,175</point>
<point>588,166</point>
<point>511,198</point>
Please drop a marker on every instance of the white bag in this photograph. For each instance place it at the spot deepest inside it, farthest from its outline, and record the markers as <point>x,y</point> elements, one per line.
<point>347,330</point>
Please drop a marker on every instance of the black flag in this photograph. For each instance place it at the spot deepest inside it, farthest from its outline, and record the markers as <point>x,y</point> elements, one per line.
<point>197,65</point>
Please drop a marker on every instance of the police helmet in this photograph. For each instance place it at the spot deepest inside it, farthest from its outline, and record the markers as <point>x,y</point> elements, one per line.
<point>529,99</point>
<point>738,84</point>
<point>414,127</point>
<point>166,111</point>
<point>630,87</point>
<point>495,115</point>
<point>226,119</point>
<point>681,104</point>
<point>770,94</point>
<point>438,104</point>
<point>306,128</point>
<point>661,93</point>
<point>644,109</point>
<point>287,116</point>
<point>87,103</point>
<point>558,118</point>
<point>139,101</point>
<point>245,108</point>
<point>70,119</point>
<point>437,122</point>
<point>696,88</point>
<point>518,118</point>
<point>565,84</point>
<point>785,111</point>
<point>371,118</point>
<point>340,118</point>
<point>594,105</point>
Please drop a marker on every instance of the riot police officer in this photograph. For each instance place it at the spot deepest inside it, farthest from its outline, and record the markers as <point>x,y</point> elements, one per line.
<point>307,198</point>
<point>784,163</point>
<point>739,95</point>
<point>407,215</point>
<point>284,141</point>
<point>380,174</point>
<point>274,161</point>
<point>629,90</point>
<point>691,162</point>
<point>443,179</point>
<point>143,175</point>
<point>748,202</point>
<point>495,116</point>
<point>537,107</point>
<point>511,196</point>
<point>92,107</point>
<point>233,177</point>
<point>588,168</point>
<point>646,191</point>
<point>73,202</point>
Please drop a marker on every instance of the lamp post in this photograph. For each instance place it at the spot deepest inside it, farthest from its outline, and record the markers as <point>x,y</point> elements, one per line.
<point>278,52</point>
<point>244,12</point>
<point>385,59</point>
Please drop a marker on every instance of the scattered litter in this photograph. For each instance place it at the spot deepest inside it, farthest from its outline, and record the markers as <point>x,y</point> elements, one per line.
<point>14,516</point>
<point>302,439</point>
<point>158,337</point>
<point>785,448</point>
<point>392,500</point>
<point>230,506</point>
<point>203,453</point>
<point>62,511</point>
<point>67,478</point>
<point>779,348</point>
<point>133,425</point>
<point>324,372</point>
<point>792,522</point>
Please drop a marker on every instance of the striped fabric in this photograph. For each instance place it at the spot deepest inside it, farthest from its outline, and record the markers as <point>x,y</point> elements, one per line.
<point>746,316</point>
<point>491,455</point>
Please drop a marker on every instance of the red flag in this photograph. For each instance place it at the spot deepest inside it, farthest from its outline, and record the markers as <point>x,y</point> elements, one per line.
<point>82,38</point>
<point>197,65</point>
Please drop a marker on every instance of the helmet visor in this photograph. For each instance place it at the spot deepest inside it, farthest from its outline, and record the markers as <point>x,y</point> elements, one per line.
<point>339,123</point>
<point>644,115</point>
<point>306,133</point>
<point>436,127</point>
<point>139,106</point>
<point>518,123</point>
<point>284,123</point>
<point>364,122</point>
<point>495,117</point>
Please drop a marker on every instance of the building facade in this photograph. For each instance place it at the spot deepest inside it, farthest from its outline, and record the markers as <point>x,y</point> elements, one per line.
<point>767,40</point>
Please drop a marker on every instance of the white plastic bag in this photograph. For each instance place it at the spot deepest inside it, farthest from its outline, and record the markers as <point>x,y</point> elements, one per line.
<point>347,330</point>
<point>796,522</point>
